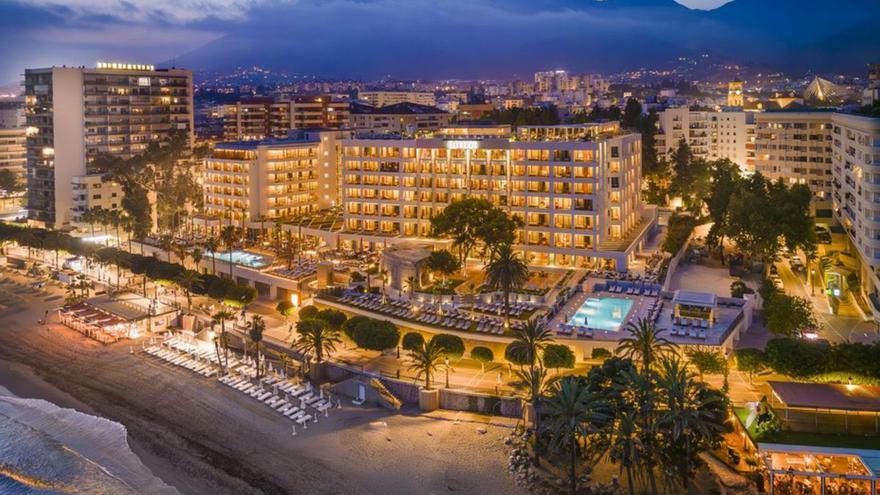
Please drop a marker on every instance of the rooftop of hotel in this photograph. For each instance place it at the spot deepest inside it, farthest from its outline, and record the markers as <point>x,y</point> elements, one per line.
<point>254,144</point>
<point>405,108</point>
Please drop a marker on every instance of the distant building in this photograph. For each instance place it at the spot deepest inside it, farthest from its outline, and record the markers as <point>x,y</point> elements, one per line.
<point>75,114</point>
<point>474,111</point>
<point>385,98</point>
<point>711,135</point>
<point>400,117</point>
<point>260,118</point>
<point>12,113</point>
<point>735,93</point>
<point>94,191</point>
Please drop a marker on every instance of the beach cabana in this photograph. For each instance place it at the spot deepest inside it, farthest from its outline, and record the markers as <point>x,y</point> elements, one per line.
<point>699,305</point>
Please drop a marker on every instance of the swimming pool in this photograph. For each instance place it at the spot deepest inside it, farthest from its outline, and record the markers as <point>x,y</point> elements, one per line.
<point>243,258</point>
<point>605,313</point>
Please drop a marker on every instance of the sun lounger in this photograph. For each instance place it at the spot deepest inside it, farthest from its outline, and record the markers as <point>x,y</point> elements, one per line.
<point>302,420</point>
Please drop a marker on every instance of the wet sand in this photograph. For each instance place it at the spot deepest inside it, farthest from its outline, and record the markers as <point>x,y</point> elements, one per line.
<point>202,437</point>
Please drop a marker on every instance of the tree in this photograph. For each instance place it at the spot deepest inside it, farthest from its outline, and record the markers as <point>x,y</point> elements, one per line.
<point>632,114</point>
<point>376,335</point>
<point>626,447</point>
<point>525,349</point>
<point>787,315</point>
<point>797,358</point>
<point>506,273</point>
<point>725,180</point>
<point>572,410</point>
<point>211,245</point>
<point>705,360</point>
<point>222,317</point>
<point>10,182</point>
<point>738,288</point>
<point>307,312</point>
<point>443,262</point>
<point>558,356</point>
<point>460,220</point>
<point>426,360</point>
<point>750,361</point>
<point>255,333</point>
<point>644,344</point>
<point>189,280</point>
<point>413,341</point>
<point>316,339</point>
<point>452,345</point>
<point>483,355</point>
<point>229,235</point>
<point>333,317</point>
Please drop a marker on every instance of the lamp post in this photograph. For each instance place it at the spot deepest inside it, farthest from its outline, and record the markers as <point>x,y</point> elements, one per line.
<point>446,363</point>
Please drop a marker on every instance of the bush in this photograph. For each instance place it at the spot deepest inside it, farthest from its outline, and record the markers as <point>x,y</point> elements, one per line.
<point>767,427</point>
<point>750,361</point>
<point>558,356</point>
<point>452,345</point>
<point>351,325</point>
<point>285,308</point>
<point>600,353</point>
<point>482,354</point>
<point>797,358</point>
<point>680,228</point>
<point>376,335</point>
<point>413,341</point>
<point>738,288</point>
<point>306,312</point>
<point>514,357</point>
<point>333,317</point>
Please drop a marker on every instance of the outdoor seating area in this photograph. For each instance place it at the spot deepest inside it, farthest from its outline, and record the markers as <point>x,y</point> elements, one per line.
<point>517,309</point>
<point>201,359</point>
<point>302,269</point>
<point>95,323</point>
<point>446,316</point>
<point>818,473</point>
<point>633,289</point>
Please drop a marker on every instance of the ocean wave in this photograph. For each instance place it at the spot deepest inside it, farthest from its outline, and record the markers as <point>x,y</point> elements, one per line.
<point>46,449</point>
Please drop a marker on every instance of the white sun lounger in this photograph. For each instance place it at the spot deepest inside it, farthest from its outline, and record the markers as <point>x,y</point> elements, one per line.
<point>302,420</point>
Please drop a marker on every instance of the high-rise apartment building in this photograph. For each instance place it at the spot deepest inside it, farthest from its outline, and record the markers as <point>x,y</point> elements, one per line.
<point>273,179</point>
<point>855,166</point>
<point>735,97</point>
<point>795,146</point>
<point>75,114</point>
<point>385,98</point>
<point>711,135</point>
<point>260,118</point>
<point>579,199</point>
<point>13,152</point>
<point>562,81</point>
<point>11,112</point>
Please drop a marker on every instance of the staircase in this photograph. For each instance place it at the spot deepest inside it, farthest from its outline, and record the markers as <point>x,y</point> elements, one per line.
<point>386,398</point>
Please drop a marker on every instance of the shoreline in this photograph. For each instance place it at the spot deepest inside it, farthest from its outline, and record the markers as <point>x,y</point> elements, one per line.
<point>202,437</point>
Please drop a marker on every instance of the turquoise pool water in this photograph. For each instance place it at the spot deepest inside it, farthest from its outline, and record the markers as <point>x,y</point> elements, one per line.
<point>605,313</point>
<point>244,258</point>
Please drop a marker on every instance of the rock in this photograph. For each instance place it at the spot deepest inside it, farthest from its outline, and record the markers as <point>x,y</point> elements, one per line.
<point>482,431</point>
<point>388,438</point>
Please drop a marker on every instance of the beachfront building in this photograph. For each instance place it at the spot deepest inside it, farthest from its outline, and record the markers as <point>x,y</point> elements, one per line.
<point>94,191</point>
<point>398,118</point>
<point>123,316</point>
<point>13,157</point>
<point>795,146</point>
<point>855,168</point>
<point>710,135</point>
<point>272,179</point>
<point>578,199</point>
<point>75,114</point>
<point>385,98</point>
<point>258,118</point>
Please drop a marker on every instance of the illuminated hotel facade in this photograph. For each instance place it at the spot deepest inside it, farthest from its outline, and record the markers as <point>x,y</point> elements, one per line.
<point>74,114</point>
<point>577,193</point>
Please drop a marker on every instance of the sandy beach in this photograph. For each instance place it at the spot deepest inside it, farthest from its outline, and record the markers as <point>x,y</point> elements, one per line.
<point>202,437</point>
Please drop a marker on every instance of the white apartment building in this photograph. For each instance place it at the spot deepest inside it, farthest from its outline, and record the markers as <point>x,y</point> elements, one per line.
<point>400,117</point>
<point>579,199</point>
<point>795,146</point>
<point>94,191</point>
<point>385,98</point>
<point>75,114</point>
<point>711,135</point>
<point>13,157</point>
<point>855,165</point>
<point>274,179</point>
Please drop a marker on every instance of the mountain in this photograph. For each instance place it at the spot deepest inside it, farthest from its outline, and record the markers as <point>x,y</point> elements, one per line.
<point>500,38</point>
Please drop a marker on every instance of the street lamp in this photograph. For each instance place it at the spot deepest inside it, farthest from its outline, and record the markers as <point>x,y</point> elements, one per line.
<point>446,363</point>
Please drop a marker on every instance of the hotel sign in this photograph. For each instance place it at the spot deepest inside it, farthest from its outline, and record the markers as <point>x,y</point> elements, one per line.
<point>462,145</point>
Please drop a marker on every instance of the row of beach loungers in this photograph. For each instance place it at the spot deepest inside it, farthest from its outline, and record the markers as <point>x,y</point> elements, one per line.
<point>304,269</point>
<point>575,330</point>
<point>189,356</point>
<point>516,309</point>
<point>634,290</point>
<point>296,401</point>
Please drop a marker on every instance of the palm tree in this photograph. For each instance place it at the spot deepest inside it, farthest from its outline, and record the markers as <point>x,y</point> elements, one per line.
<point>315,338</point>
<point>528,344</point>
<point>188,281</point>
<point>411,285</point>
<point>573,409</point>
<point>222,317</point>
<point>626,446</point>
<point>427,360</point>
<point>506,272</point>
<point>196,255</point>
<point>211,245</point>
<point>228,235</point>
<point>255,333</point>
<point>166,243</point>
<point>644,344</point>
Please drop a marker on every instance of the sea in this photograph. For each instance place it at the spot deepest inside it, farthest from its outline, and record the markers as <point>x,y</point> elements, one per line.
<point>46,449</point>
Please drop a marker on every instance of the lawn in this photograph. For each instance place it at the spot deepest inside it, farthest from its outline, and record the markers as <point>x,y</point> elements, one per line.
<point>815,439</point>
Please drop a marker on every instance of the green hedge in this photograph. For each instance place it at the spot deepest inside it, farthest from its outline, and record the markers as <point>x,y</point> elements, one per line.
<point>413,341</point>
<point>558,356</point>
<point>482,354</point>
<point>452,345</point>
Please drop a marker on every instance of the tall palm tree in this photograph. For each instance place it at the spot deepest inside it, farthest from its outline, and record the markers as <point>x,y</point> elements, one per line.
<point>626,446</point>
<point>255,332</point>
<point>188,281</point>
<point>573,410</point>
<point>528,344</point>
<point>229,235</point>
<point>222,317</point>
<point>196,255</point>
<point>427,360</point>
<point>644,344</point>
<point>315,339</point>
<point>166,243</point>
<point>506,272</point>
<point>211,245</point>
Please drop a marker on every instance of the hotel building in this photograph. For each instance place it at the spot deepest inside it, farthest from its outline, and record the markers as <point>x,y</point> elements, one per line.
<point>855,167</point>
<point>75,114</point>
<point>796,146</point>
<point>274,179</point>
<point>385,98</point>
<point>578,196</point>
<point>711,135</point>
<point>263,117</point>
